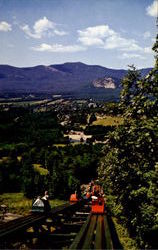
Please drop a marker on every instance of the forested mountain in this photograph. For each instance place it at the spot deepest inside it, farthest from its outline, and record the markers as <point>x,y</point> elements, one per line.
<point>59,78</point>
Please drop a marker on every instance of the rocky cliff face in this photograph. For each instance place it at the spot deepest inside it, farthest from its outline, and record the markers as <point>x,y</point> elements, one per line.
<point>106,82</point>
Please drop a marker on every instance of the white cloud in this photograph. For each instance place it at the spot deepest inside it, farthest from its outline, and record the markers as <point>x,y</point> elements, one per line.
<point>152,9</point>
<point>99,31</point>
<point>41,28</point>
<point>94,35</point>
<point>4,26</point>
<point>104,37</point>
<point>127,56</point>
<point>58,48</point>
<point>88,41</point>
<point>43,25</point>
<point>28,32</point>
<point>100,36</point>
<point>147,34</point>
<point>124,44</point>
<point>60,33</point>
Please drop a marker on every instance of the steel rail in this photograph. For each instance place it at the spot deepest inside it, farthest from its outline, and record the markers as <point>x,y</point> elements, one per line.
<point>12,227</point>
<point>94,234</point>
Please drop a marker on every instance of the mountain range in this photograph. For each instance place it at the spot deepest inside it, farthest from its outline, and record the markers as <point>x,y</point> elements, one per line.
<point>60,78</point>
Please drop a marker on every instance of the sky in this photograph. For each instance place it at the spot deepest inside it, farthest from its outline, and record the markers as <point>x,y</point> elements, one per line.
<point>111,33</point>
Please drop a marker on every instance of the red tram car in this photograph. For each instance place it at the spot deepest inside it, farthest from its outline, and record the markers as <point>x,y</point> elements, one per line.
<point>98,206</point>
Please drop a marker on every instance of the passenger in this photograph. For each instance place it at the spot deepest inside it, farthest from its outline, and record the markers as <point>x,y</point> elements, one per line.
<point>82,189</point>
<point>91,185</point>
<point>88,195</point>
<point>74,197</point>
<point>95,191</point>
<point>38,205</point>
<point>45,200</point>
<point>94,198</point>
<point>38,202</point>
<point>84,193</point>
<point>76,194</point>
<point>46,196</point>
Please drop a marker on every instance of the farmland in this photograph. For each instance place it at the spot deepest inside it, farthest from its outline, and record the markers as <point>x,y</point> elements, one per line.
<point>108,121</point>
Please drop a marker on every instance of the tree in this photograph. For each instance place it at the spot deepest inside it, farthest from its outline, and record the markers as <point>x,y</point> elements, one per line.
<point>92,118</point>
<point>28,176</point>
<point>128,170</point>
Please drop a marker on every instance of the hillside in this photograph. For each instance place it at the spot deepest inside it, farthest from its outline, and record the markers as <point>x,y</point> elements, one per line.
<point>59,78</point>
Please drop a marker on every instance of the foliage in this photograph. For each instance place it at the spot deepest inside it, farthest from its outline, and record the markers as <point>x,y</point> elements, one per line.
<point>79,117</point>
<point>23,126</point>
<point>126,241</point>
<point>111,108</point>
<point>129,168</point>
<point>92,118</point>
<point>98,132</point>
<point>32,164</point>
<point>18,203</point>
<point>9,174</point>
<point>38,168</point>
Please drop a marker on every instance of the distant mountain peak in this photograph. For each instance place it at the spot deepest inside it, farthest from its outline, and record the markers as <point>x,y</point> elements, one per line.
<point>74,63</point>
<point>60,78</point>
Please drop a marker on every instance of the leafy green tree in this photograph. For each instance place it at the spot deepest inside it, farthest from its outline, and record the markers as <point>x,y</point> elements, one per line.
<point>92,118</point>
<point>128,170</point>
<point>9,175</point>
<point>27,177</point>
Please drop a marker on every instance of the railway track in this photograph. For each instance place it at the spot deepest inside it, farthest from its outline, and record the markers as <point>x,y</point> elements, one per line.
<point>95,234</point>
<point>65,227</point>
<point>6,229</point>
<point>16,230</point>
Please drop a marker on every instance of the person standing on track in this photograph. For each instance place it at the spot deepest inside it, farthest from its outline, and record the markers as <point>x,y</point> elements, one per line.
<point>46,196</point>
<point>45,200</point>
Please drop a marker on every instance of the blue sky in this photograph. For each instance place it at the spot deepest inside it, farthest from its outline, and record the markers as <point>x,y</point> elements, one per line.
<point>111,33</point>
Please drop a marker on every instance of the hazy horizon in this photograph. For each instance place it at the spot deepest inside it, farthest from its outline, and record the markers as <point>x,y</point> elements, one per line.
<point>70,63</point>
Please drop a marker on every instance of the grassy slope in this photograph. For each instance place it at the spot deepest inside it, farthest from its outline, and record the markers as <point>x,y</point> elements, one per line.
<point>108,121</point>
<point>18,203</point>
<point>126,241</point>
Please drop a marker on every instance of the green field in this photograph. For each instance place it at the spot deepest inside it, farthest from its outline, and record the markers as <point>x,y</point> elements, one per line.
<point>18,203</point>
<point>25,103</point>
<point>60,145</point>
<point>109,121</point>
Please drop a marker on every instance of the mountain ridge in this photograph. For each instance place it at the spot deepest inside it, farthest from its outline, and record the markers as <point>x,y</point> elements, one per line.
<point>56,78</point>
